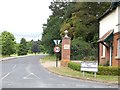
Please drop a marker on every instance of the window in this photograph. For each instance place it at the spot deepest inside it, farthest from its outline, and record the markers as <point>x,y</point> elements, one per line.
<point>103,51</point>
<point>118,48</point>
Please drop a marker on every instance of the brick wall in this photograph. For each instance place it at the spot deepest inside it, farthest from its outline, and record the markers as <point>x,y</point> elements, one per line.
<point>103,60</point>
<point>65,52</point>
<point>115,61</point>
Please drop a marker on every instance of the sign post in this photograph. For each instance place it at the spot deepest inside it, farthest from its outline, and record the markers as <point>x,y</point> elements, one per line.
<point>56,50</point>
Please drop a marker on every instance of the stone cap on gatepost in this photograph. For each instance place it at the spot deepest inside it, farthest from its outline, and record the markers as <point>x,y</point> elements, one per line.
<point>66,35</point>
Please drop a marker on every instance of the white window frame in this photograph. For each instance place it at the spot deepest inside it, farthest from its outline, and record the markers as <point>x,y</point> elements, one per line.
<point>103,51</point>
<point>118,49</point>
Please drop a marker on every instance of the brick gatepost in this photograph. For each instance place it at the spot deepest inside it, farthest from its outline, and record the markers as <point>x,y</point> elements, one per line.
<point>65,50</point>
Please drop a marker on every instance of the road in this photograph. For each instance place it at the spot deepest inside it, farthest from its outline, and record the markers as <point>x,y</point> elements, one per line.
<point>27,72</point>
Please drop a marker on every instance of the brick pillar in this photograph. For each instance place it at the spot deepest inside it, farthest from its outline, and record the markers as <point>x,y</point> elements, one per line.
<point>65,51</point>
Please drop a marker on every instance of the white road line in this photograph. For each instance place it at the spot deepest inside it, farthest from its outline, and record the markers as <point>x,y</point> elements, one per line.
<point>5,76</point>
<point>8,73</point>
<point>13,66</point>
<point>31,74</point>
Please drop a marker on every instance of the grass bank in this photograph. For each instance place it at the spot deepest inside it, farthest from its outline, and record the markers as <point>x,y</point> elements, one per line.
<point>48,58</point>
<point>65,71</point>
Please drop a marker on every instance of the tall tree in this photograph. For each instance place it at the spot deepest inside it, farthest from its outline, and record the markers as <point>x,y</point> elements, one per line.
<point>29,46</point>
<point>51,30</point>
<point>35,47</point>
<point>8,43</point>
<point>23,47</point>
<point>79,18</point>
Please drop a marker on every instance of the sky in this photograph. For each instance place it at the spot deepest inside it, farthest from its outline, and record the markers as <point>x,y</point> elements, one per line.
<point>24,18</point>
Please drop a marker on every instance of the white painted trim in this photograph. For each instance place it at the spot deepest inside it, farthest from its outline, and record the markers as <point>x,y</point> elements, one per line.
<point>102,56</point>
<point>103,51</point>
<point>117,57</point>
<point>118,48</point>
<point>110,56</point>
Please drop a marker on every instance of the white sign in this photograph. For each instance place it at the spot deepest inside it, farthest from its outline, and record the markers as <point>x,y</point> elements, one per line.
<point>56,42</point>
<point>66,46</point>
<point>56,49</point>
<point>89,66</point>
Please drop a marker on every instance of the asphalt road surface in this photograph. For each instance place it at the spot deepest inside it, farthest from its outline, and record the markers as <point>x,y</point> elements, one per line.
<point>27,72</point>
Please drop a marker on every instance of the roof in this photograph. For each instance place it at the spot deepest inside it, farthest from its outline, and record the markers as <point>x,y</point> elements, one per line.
<point>106,36</point>
<point>113,6</point>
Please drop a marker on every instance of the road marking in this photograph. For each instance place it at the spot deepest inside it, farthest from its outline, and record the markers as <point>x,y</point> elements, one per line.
<point>28,69</point>
<point>5,76</point>
<point>8,73</point>
<point>13,67</point>
<point>29,76</point>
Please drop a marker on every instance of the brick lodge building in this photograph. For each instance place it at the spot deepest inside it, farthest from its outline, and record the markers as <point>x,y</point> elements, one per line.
<point>109,36</point>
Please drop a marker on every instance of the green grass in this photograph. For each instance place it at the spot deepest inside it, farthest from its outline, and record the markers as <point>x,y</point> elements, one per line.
<point>48,58</point>
<point>65,71</point>
<point>13,55</point>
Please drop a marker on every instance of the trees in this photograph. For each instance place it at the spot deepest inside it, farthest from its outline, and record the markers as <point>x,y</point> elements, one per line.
<point>29,46</point>
<point>80,19</point>
<point>79,49</point>
<point>22,50</point>
<point>51,30</point>
<point>8,43</point>
<point>35,47</point>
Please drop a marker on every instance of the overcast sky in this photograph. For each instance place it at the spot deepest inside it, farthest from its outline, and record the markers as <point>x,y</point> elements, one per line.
<point>24,18</point>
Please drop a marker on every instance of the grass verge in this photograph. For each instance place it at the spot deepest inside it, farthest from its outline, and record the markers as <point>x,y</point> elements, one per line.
<point>48,58</point>
<point>65,71</point>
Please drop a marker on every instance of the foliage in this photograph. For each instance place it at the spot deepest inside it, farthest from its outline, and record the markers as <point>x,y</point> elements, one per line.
<point>102,70</point>
<point>17,47</point>
<point>81,20</point>
<point>42,48</point>
<point>107,70</point>
<point>8,43</point>
<point>29,46</point>
<point>22,50</point>
<point>79,49</point>
<point>35,48</point>
<point>74,66</point>
<point>51,32</point>
<point>48,58</point>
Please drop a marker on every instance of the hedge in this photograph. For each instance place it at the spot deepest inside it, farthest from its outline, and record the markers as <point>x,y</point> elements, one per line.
<point>107,70</point>
<point>102,70</point>
<point>74,66</point>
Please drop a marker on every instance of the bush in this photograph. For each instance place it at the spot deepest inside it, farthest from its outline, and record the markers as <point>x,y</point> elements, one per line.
<point>102,70</point>
<point>107,70</point>
<point>89,58</point>
<point>74,66</point>
<point>79,49</point>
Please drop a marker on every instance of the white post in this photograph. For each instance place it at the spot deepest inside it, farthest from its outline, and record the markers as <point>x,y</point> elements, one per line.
<point>95,74</point>
<point>83,74</point>
<point>110,56</point>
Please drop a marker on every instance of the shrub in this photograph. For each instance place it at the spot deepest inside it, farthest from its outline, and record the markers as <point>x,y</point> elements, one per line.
<point>79,49</point>
<point>74,66</point>
<point>107,70</point>
<point>102,70</point>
